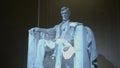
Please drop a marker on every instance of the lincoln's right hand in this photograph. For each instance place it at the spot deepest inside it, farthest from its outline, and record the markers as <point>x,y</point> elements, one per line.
<point>34,30</point>
<point>38,32</point>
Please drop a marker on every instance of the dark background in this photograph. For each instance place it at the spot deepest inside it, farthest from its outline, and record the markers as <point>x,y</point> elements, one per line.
<point>18,16</point>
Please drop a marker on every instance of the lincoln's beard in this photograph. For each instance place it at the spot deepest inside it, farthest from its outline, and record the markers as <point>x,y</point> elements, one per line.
<point>65,19</point>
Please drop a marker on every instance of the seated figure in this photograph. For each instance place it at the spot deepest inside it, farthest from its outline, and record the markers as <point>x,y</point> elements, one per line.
<point>67,39</point>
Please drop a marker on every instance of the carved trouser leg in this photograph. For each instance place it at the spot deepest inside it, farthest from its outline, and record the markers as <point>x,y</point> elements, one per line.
<point>59,47</point>
<point>40,52</point>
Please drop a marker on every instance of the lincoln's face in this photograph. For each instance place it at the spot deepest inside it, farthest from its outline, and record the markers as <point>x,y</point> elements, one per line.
<point>65,14</point>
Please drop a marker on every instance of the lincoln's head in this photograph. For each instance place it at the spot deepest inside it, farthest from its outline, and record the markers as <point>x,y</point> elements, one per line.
<point>65,13</point>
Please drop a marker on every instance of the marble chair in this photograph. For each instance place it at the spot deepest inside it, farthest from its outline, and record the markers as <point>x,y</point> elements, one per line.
<point>84,46</point>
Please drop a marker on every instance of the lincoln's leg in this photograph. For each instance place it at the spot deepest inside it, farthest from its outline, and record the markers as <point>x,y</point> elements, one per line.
<point>40,54</point>
<point>59,47</point>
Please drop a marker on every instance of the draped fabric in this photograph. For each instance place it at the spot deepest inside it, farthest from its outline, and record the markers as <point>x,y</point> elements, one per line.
<point>84,46</point>
<point>91,46</point>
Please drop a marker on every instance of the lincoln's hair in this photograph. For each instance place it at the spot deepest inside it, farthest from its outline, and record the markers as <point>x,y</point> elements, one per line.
<point>66,8</point>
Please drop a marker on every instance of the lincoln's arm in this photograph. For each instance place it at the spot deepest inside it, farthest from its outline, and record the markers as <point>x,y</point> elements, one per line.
<point>46,30</point>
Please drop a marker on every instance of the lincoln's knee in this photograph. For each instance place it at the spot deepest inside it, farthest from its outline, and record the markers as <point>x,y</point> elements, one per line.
<point>59,43</point>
